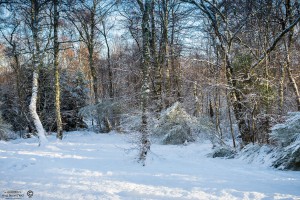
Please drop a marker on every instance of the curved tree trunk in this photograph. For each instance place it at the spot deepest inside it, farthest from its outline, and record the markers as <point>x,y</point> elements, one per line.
<point>32,108</point>
<point>36,62</point>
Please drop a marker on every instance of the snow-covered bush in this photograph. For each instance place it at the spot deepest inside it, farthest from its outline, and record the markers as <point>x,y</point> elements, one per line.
<point>178,134</point>
<point>223,152</point>
<point>173,126</point>
<point>131,122</point>
<point>289,157</point>
<point>287,137</point>
<point>258,154</point>
<point>288,132</point>
<point>284,150</point>
<point>5,132</point>
<point>106,113</point>
<point>176,126</point>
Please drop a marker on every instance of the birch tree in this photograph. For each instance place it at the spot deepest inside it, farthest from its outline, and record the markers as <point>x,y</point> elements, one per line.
<point>165,57</point>
<point>145,90</point>
<point>36,6</point>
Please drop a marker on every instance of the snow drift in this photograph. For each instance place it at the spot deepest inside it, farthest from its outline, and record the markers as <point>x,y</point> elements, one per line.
<point>287,137</point>
<point>284,150</point>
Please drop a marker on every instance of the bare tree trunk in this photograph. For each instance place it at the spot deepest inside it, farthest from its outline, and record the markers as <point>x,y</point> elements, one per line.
<point>18,76</point>
<point>288,52</point>
<point>110,73</point>
<point>175,63</point>
<point>294,84</point>
<point>217,111</point>
<point>106,120</point>
<point>197,103</point>
<point>145,90</point>
<point>165,57</point>
<point>91,46</point>
<point>93,73</point>
<point>268,85</point>
<point>280,90</point>
<point>59,134</point>
<point>36,62</point>
<point>156,66</point>
<point>32,108</point>
<point>217,98</point>
<point>230,120</point>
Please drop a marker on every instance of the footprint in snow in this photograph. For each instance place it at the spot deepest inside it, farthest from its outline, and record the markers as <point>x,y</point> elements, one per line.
<point>19,166</point>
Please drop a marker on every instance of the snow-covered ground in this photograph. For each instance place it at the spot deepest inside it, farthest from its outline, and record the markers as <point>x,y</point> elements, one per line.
<point>102,166</point>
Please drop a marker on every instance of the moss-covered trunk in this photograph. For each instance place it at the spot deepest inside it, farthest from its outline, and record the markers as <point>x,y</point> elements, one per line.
<point>57,75</point>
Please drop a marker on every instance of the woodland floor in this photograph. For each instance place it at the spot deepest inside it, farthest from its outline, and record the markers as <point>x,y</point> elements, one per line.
<point>85,165</point>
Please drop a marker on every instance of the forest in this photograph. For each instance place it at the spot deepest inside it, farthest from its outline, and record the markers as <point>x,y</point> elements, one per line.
<point>112,65</point>
<point>150,99</point>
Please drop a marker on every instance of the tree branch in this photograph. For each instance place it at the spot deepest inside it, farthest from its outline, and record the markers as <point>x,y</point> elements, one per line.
<point>276,40</point>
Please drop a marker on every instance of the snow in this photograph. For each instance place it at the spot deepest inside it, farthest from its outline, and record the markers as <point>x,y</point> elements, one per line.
<point>289,130</point>
<point>32,108</point>
<point>85,165</point>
